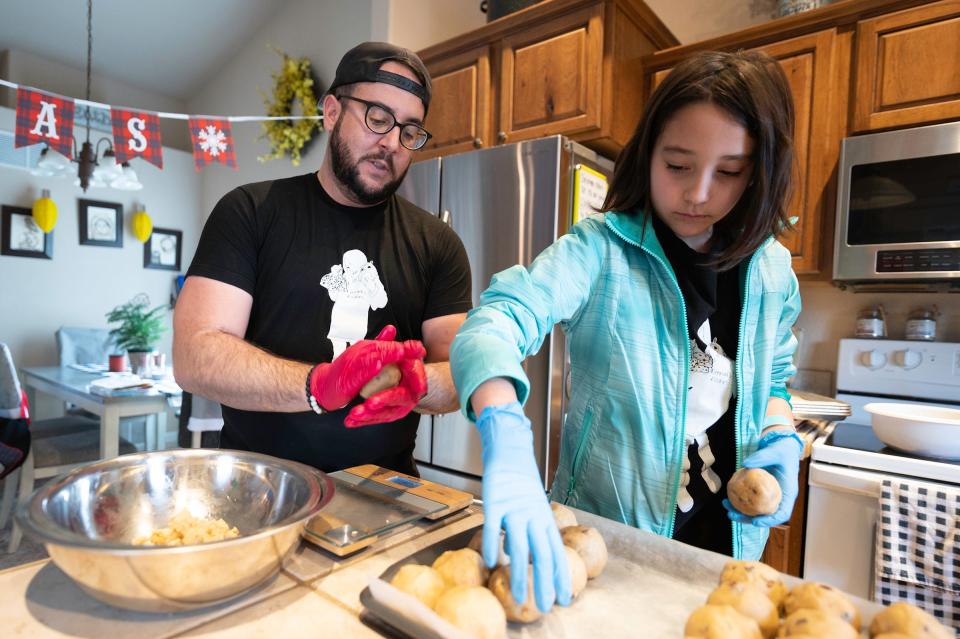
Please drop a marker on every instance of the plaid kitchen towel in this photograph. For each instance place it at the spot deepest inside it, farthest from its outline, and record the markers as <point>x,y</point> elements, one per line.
<point>918,547</point>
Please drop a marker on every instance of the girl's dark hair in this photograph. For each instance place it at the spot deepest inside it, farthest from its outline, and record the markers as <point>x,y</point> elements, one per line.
<point>753,90</point>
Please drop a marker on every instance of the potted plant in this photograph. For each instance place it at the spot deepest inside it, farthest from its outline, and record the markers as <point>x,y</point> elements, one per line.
<point>139,330</point>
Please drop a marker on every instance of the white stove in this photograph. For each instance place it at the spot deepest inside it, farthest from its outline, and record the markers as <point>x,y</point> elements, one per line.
<point>848,467</point>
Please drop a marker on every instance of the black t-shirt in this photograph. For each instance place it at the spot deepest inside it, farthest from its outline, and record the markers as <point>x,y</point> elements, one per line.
<point>296,251</point>
<point>709,296</point>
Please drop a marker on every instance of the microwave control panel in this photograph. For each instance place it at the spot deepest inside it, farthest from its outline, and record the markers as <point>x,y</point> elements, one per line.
<point>918,260</point>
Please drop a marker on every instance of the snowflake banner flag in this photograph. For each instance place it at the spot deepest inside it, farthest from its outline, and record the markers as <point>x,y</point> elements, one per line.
<point>136,134</point>
<point>44,117</point>
<point>212,142</point>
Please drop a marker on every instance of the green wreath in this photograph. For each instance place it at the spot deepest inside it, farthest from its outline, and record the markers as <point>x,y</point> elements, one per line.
<point>294,83</point>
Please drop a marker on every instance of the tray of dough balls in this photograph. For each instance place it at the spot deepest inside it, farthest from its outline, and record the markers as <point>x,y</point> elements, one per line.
<point>629,583</point>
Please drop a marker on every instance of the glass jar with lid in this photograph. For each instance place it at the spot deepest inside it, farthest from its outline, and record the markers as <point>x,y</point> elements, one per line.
<point>872,322</point>
<point>922,324</point>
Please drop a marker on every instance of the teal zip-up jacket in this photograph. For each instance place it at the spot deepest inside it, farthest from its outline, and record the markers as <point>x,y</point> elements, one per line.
<point>612,290</point>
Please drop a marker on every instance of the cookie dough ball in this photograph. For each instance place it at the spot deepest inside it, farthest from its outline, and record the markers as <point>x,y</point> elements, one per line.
<point>892,635</point>
<point>462,567</point>
<point>423,582</point>
<point>578,571</point>
<point>750,601</point>
<point>589,545</point>
<point>499,585</point>
<point>909,620</point>
<point>758,574</point>
<point>817,623</point>
<point>562,515</point>
<point>720,622</point>
<point>476,544</point>
<point>754,491</point>
<point>816,596</point>
<point>474,610</point>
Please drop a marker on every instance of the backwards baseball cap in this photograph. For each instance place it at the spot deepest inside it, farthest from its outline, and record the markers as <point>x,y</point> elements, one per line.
<point>362,64</point>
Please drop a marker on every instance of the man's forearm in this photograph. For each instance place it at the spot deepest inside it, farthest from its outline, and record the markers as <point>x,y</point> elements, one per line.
<point>441,394</point>
<point>229,370</point>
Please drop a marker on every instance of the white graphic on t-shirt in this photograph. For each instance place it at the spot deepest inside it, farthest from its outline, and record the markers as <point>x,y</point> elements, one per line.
<point>355,289</point>
<point>708,397</point>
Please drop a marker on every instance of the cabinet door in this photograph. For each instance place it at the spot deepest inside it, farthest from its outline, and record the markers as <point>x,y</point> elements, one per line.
<point>809,63</point>
<point>460,107</point>
<point>908,67</point>
<point>550,77</point>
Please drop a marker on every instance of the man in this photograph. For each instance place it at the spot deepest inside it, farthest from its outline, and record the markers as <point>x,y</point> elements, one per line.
<point>308,269</point>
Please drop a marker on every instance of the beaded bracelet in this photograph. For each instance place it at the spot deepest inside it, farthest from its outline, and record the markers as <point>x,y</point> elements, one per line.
<point>311,400</point>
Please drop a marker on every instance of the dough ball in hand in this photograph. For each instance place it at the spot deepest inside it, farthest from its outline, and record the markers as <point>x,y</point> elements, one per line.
<point>750,601</point>
<point>462,567</point>
<point>562,515</point>
<point>499,585</point>
<point>476,544</point>
<point>474,610</point>
<point>817,623</point>
<point>589,545</point>
<point>758,574</point>
<point>578,571</point>
<point>720,622</point>
<point>423,582</point>
<point>388,377</point>
<point>909,620</point>
<point>815,596</point>
<point>754,491</point>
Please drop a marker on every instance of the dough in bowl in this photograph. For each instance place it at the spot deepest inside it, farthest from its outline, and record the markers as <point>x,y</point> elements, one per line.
<point>754,491</point>
<point>815,596</point>
<point>423,582</point>
<point>909,620</point>
<point>720,622</point>
<point>474,610</point>
<point>462,567</point>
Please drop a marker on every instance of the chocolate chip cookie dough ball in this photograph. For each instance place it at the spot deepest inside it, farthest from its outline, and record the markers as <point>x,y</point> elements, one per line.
<point>474,610</point>
<point>758,574</point>
<point>589,545</point>
<point>750,601</point>
<point>817,623</point>
<point>562,515</point>
<point>754,491</point>
<point>462,567</point>
<point>909,620</point>
<point>476,544</point>
<point>578,571</point>
<point>423,582</point>
<point>815,596</point>
<point>499,585</point>
<point>720,622</point>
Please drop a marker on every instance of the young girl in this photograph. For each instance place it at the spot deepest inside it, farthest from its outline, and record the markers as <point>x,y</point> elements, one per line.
<point>677,305</point>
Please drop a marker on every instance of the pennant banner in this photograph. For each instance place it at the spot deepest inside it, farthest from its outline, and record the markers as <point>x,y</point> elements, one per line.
<point>136,134</point>
<point>212,142</point>
<point>43,117</point>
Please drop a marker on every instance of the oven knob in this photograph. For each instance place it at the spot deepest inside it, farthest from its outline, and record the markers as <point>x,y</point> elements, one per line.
<point>873,359</point>
<point>907,359</point>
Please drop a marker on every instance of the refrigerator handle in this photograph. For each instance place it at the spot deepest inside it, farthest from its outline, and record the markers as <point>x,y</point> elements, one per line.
<point>446,217</point>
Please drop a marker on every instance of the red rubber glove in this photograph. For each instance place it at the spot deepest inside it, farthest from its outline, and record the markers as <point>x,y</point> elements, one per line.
<point>393,403</point>
<point>335,384</point>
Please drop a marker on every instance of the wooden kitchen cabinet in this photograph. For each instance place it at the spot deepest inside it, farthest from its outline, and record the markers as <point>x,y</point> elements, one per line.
<point>908,67</point>
<point>567,67</point>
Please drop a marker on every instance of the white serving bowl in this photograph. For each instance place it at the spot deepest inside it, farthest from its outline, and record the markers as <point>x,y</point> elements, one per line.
<point>918,429</point>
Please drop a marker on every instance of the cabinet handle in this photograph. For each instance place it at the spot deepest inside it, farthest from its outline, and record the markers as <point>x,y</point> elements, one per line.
<point>477,143</point>
<point>501,137</point>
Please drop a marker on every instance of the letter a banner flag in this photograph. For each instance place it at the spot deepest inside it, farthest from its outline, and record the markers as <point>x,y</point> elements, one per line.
<point>212,142</point>
<point>136,134</point>
<point>44,117</point>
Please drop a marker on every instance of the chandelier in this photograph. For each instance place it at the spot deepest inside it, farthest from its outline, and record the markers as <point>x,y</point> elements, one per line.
<point>90,172</point>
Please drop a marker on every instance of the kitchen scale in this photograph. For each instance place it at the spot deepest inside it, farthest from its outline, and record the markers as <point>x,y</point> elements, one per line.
<point>369,501</point>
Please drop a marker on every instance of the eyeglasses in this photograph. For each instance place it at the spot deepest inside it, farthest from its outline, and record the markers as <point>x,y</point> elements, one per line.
<point>381,121</point>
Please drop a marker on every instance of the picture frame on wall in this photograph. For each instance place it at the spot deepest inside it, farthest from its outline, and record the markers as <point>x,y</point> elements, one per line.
<point>162,250</point>
<point>101,223</point>
<point>21,237</point>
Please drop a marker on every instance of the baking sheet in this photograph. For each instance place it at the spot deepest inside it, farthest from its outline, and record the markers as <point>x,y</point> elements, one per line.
<point>650,582</point>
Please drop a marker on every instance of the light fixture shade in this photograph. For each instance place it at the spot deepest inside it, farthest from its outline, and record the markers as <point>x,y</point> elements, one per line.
<point>45,212</point>
<point>51,164</point>
<point>107,170</point>
<point>128,179</point>
<point>142,226</point>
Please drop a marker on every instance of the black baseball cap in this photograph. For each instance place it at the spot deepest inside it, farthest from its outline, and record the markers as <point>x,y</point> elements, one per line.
<point>362,64</point>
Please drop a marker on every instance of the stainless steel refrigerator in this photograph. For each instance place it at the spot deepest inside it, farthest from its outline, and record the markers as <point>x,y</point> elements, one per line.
<point>507,204</point>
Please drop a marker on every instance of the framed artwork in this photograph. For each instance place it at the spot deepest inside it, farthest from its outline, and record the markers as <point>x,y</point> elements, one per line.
<point>162,250</point>
<point>21,236</point>
<point>101,223</point>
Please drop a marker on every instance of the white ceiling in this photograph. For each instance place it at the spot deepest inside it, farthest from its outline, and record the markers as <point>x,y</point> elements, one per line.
<point>167,46</point>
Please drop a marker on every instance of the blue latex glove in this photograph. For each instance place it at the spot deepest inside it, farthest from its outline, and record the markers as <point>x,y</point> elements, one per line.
<point>513,498</point>
<point>779,454</point>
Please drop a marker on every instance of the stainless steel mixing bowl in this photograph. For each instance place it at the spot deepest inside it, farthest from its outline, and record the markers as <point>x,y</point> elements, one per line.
<point>88,517</point>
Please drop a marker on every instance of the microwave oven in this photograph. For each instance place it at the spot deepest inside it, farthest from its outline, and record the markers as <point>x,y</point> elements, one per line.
<point>898,210</point>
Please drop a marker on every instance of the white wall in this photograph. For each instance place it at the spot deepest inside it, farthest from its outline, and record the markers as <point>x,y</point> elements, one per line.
<point>82,283</point>
<point>417,24</point>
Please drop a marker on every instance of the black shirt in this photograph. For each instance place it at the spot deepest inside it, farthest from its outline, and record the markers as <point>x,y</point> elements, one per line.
<point>295,250</point>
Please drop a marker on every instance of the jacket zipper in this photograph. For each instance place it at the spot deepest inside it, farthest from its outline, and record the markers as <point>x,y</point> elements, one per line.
<point>575,464</point>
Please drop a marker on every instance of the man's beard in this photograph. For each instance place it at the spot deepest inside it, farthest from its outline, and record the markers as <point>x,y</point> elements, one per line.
<point>347,171</point>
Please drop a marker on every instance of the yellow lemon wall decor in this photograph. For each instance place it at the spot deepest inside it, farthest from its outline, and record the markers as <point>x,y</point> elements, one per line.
<point>142,226</point>
<point>45,212</point>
